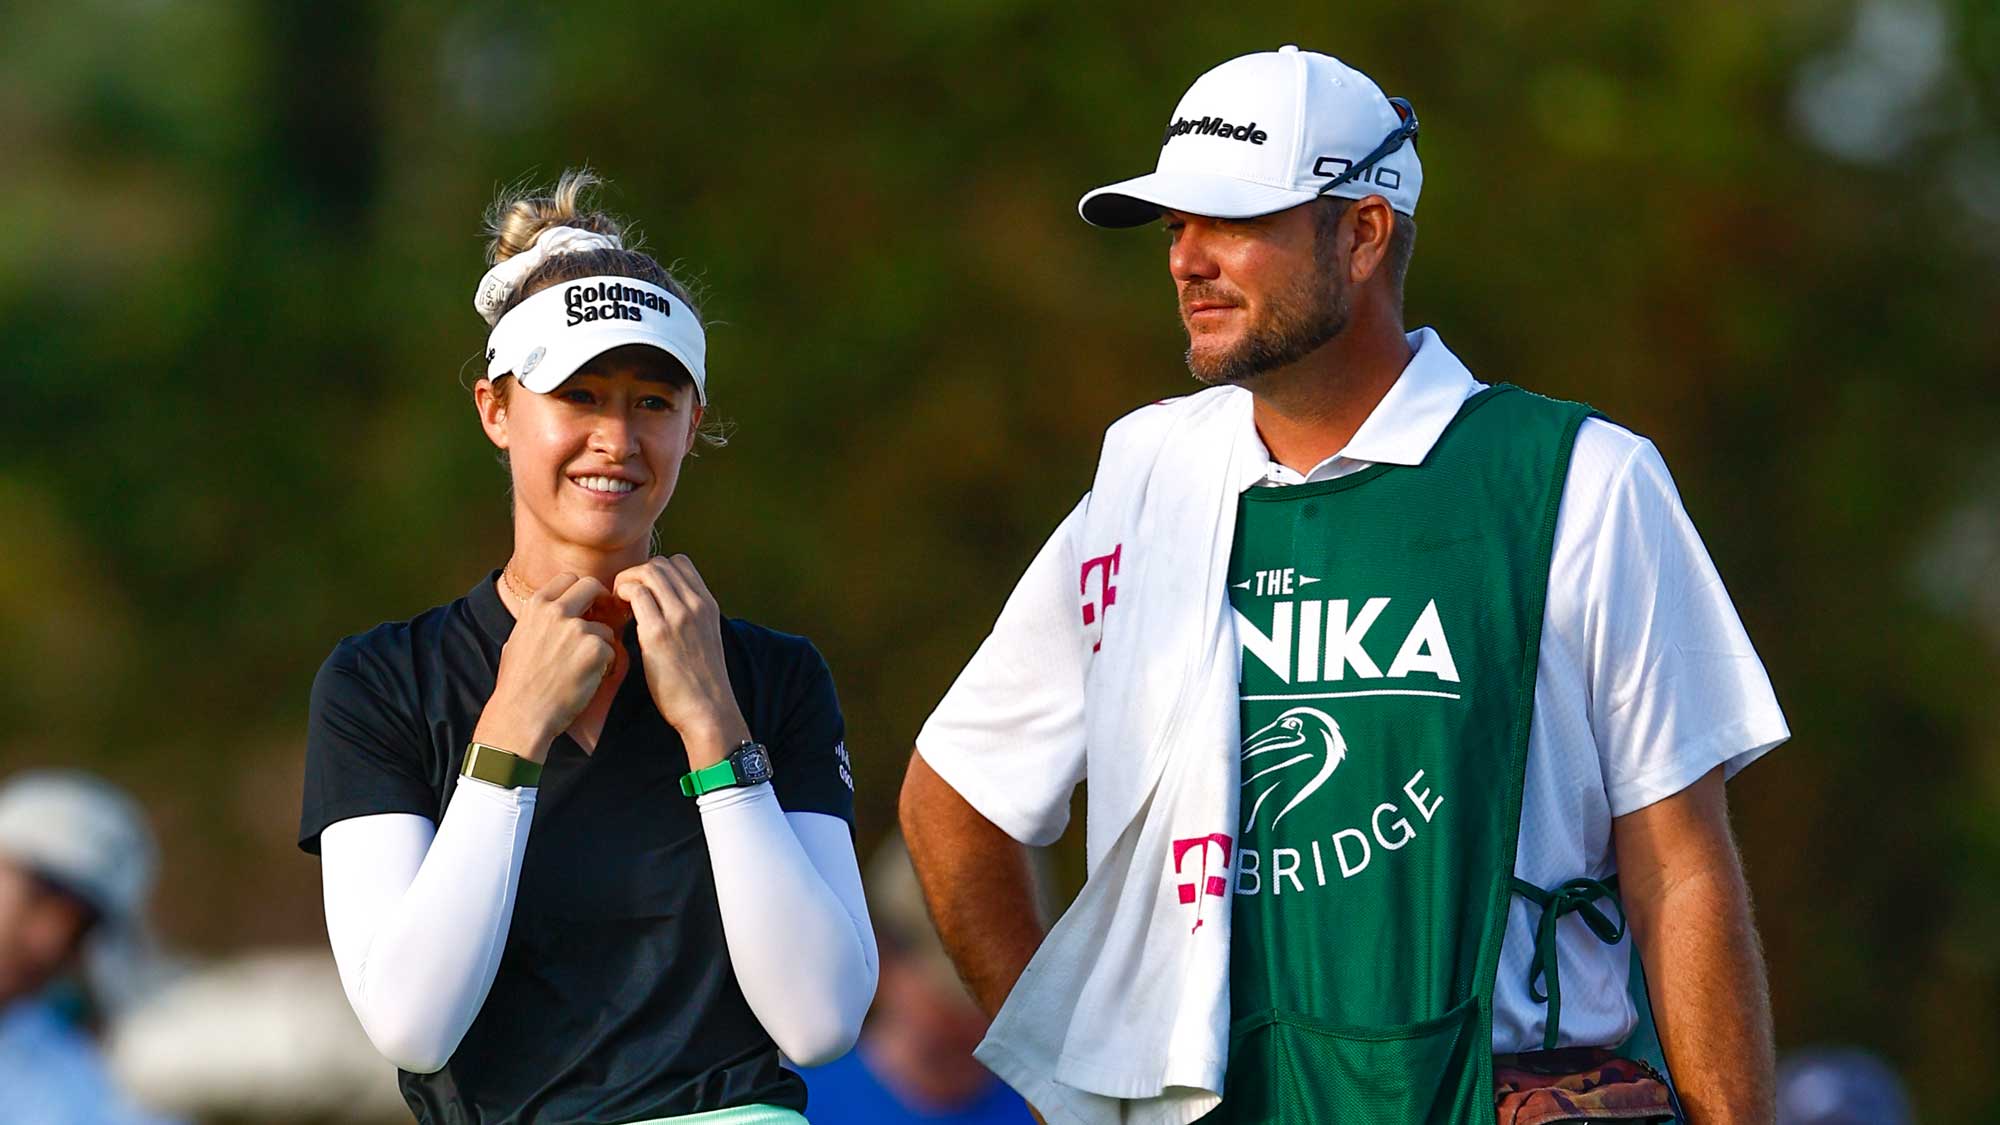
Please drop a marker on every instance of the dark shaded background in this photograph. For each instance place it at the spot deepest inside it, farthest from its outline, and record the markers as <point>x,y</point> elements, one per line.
<point>241,242</point>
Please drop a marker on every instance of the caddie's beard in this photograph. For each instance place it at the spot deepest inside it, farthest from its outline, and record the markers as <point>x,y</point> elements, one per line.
<point>1298,322</point>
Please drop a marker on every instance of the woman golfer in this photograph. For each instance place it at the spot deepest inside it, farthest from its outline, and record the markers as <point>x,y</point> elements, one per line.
<point>586,843</point>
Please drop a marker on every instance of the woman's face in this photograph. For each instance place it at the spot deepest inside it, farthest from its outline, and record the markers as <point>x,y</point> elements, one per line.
<point>596,459</point>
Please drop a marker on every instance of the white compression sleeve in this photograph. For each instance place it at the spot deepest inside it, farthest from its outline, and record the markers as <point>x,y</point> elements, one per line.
<point>418,916</point>
<point>795,919</point>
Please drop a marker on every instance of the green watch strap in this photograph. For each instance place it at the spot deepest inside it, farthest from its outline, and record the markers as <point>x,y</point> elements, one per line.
<point>707,779</point>
<point>498,767</point>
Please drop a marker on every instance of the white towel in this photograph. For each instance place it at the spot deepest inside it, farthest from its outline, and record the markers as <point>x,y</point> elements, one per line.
<point>1123,1014</point>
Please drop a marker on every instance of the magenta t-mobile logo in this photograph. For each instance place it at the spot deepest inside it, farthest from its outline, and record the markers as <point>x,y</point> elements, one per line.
<point>1094,609</point>
<point>1196,892</point>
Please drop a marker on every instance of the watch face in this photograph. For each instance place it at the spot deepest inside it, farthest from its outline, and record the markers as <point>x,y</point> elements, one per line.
<point>753,764</point>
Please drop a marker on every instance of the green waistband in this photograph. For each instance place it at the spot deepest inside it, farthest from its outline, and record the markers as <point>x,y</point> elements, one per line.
<point>738,1115</point>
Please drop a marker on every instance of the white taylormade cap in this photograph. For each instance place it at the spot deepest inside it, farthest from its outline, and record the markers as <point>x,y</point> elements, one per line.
<point>1268,131</point>
<point>544,339</point>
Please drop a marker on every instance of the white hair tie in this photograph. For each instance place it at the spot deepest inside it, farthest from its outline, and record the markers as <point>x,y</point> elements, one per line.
<point>505,277</point>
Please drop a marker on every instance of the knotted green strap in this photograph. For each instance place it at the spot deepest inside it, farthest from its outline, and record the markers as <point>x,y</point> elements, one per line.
<point>1579,897</point>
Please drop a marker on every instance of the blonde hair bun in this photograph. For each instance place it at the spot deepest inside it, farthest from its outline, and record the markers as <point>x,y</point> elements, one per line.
<point>521,214</point>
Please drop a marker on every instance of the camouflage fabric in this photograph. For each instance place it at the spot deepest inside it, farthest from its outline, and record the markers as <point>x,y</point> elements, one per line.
<point>1577,1084</point>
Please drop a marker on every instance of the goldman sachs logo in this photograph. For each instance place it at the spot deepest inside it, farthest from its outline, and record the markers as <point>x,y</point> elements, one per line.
<point>611,301</point>
<point>1214,127</point>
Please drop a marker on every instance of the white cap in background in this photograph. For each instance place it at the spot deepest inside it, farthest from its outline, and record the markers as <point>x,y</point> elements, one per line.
<point>83,834</point>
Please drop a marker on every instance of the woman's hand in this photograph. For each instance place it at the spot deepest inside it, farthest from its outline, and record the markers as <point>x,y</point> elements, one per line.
<point>550,667</point>
<point>680,646</point>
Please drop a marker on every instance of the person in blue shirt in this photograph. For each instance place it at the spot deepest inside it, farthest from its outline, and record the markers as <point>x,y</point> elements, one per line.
<point>76,865</point>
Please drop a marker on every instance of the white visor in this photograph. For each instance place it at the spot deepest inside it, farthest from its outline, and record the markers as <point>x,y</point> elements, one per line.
<point>544,339</point>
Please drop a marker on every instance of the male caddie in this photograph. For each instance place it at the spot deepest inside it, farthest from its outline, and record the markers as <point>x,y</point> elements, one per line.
<point>1398,695</point>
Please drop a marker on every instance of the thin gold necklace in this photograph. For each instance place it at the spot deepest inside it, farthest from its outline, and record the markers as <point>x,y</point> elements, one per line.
<point>513,581</point>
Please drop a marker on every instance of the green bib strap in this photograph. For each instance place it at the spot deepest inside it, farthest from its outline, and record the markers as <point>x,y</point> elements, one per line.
<point>1578,897</point>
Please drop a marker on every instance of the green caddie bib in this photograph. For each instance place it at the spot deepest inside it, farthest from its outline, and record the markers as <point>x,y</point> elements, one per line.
<point>1390,626</point>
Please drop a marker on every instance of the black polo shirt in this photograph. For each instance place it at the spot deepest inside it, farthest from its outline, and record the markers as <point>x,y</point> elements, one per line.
<point>615,1000</point>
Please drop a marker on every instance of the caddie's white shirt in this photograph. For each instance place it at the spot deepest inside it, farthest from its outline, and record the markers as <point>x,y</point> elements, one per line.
<point>1646,682</point>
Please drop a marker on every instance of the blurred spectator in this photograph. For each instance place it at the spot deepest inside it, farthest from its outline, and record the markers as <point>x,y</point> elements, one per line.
<point>76,867</point>
<point>1839,1086</point>
<point>914,1062</point>
<point>263,1035</point>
